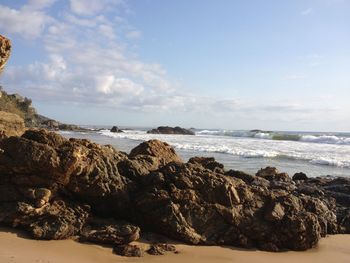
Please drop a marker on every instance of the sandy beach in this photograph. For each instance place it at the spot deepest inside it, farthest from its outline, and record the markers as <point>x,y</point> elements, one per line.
<point>15,247</point>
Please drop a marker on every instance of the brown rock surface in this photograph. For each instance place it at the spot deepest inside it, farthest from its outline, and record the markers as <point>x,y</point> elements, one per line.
<point>128,251</point>
<point>56,188</point>
<point>10,124</point>
<point>5,51</point>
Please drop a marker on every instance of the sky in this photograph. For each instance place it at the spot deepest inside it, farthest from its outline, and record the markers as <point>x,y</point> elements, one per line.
<point>273,65</point>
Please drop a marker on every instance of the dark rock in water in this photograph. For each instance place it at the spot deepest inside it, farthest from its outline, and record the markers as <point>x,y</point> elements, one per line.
<point>299,176</point>
<point>128,251</point>
<point>259,131</point>
<point>171,130</point>
<point>58,188</point>
<point>116,129</point>
<point>161,249</point>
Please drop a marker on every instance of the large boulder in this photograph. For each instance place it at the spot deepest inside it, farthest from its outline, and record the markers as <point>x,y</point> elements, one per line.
<point>333,191</point>
<point>155,148</point>
<point>190,202</point>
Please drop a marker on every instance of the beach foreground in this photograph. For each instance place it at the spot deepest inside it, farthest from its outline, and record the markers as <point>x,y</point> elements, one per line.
<point>15,247</point>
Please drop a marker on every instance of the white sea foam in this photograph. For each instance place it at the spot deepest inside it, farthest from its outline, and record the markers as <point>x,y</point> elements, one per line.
<point>281,136</point>
<point>331,154</point>
<point>328,139</point>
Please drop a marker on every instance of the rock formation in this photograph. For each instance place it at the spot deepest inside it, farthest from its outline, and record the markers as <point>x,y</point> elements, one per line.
<point>5,51</point>
<point>57,188</point>
<point>10,123</point>
<point>171,130</point>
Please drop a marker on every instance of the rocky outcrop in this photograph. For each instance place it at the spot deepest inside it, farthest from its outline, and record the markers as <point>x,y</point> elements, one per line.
<point>5,51</point>
<point>10,124</point>
<point>333,191</point>
<point>22,106</point>
<point>171,130</point>
<point>58,188</point>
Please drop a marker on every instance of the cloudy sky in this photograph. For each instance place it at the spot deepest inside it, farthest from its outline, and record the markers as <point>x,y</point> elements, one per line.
<point>282,65</point>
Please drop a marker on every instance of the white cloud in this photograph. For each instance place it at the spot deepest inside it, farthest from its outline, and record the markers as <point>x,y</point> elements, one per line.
<point>26,22</point>
<point>110,85</point>
<point>107,31</point>
<point>92,7</point>
<point>87,63</point>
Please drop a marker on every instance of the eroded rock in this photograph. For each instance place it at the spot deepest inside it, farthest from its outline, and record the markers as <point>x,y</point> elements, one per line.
<point>57,188</point>
<point>128,251</point>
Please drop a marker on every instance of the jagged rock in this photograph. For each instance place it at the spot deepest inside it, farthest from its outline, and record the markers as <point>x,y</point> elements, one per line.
<point>154,148</point>
<point>208,163</point>
<point>88,170</point>
<point>5,51</point>
<point>171,130</point>
<point>248,178</point>
<point>128,251</point>
<point>276,213</point>
<point>161,249</point>
<point>272,174</point>
<point>10,125</point>
<point>118,233</point>
<point>299,176</point>
<point>55,187</point>
<point>335,192</point>
<point>198,206</point>
<point>56,220</point>
<point>116,129</point>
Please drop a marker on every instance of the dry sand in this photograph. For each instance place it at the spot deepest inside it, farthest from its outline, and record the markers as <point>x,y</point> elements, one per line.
<point>15,247</point>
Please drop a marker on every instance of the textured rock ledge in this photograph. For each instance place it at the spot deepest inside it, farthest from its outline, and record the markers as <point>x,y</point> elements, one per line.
<point>57,188</point>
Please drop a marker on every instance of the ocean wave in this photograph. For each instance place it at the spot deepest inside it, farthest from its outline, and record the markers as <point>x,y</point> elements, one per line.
<point>331,162</point>
<point>280,136</point>
<point>318,154</point>
<point>328,139</point>
<point>246,153</point>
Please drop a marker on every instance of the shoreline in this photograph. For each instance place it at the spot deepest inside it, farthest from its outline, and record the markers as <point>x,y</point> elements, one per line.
<point>17,247</point>
<point>127,141</point>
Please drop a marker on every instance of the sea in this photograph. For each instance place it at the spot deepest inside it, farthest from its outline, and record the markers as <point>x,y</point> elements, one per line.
<point>314,153</point>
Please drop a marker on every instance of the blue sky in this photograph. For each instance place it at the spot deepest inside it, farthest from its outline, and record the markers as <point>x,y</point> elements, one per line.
<point>282,65</point>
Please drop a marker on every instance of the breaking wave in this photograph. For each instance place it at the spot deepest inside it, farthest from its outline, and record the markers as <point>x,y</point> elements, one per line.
<point>343,139</point>
<point>319,150</point>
